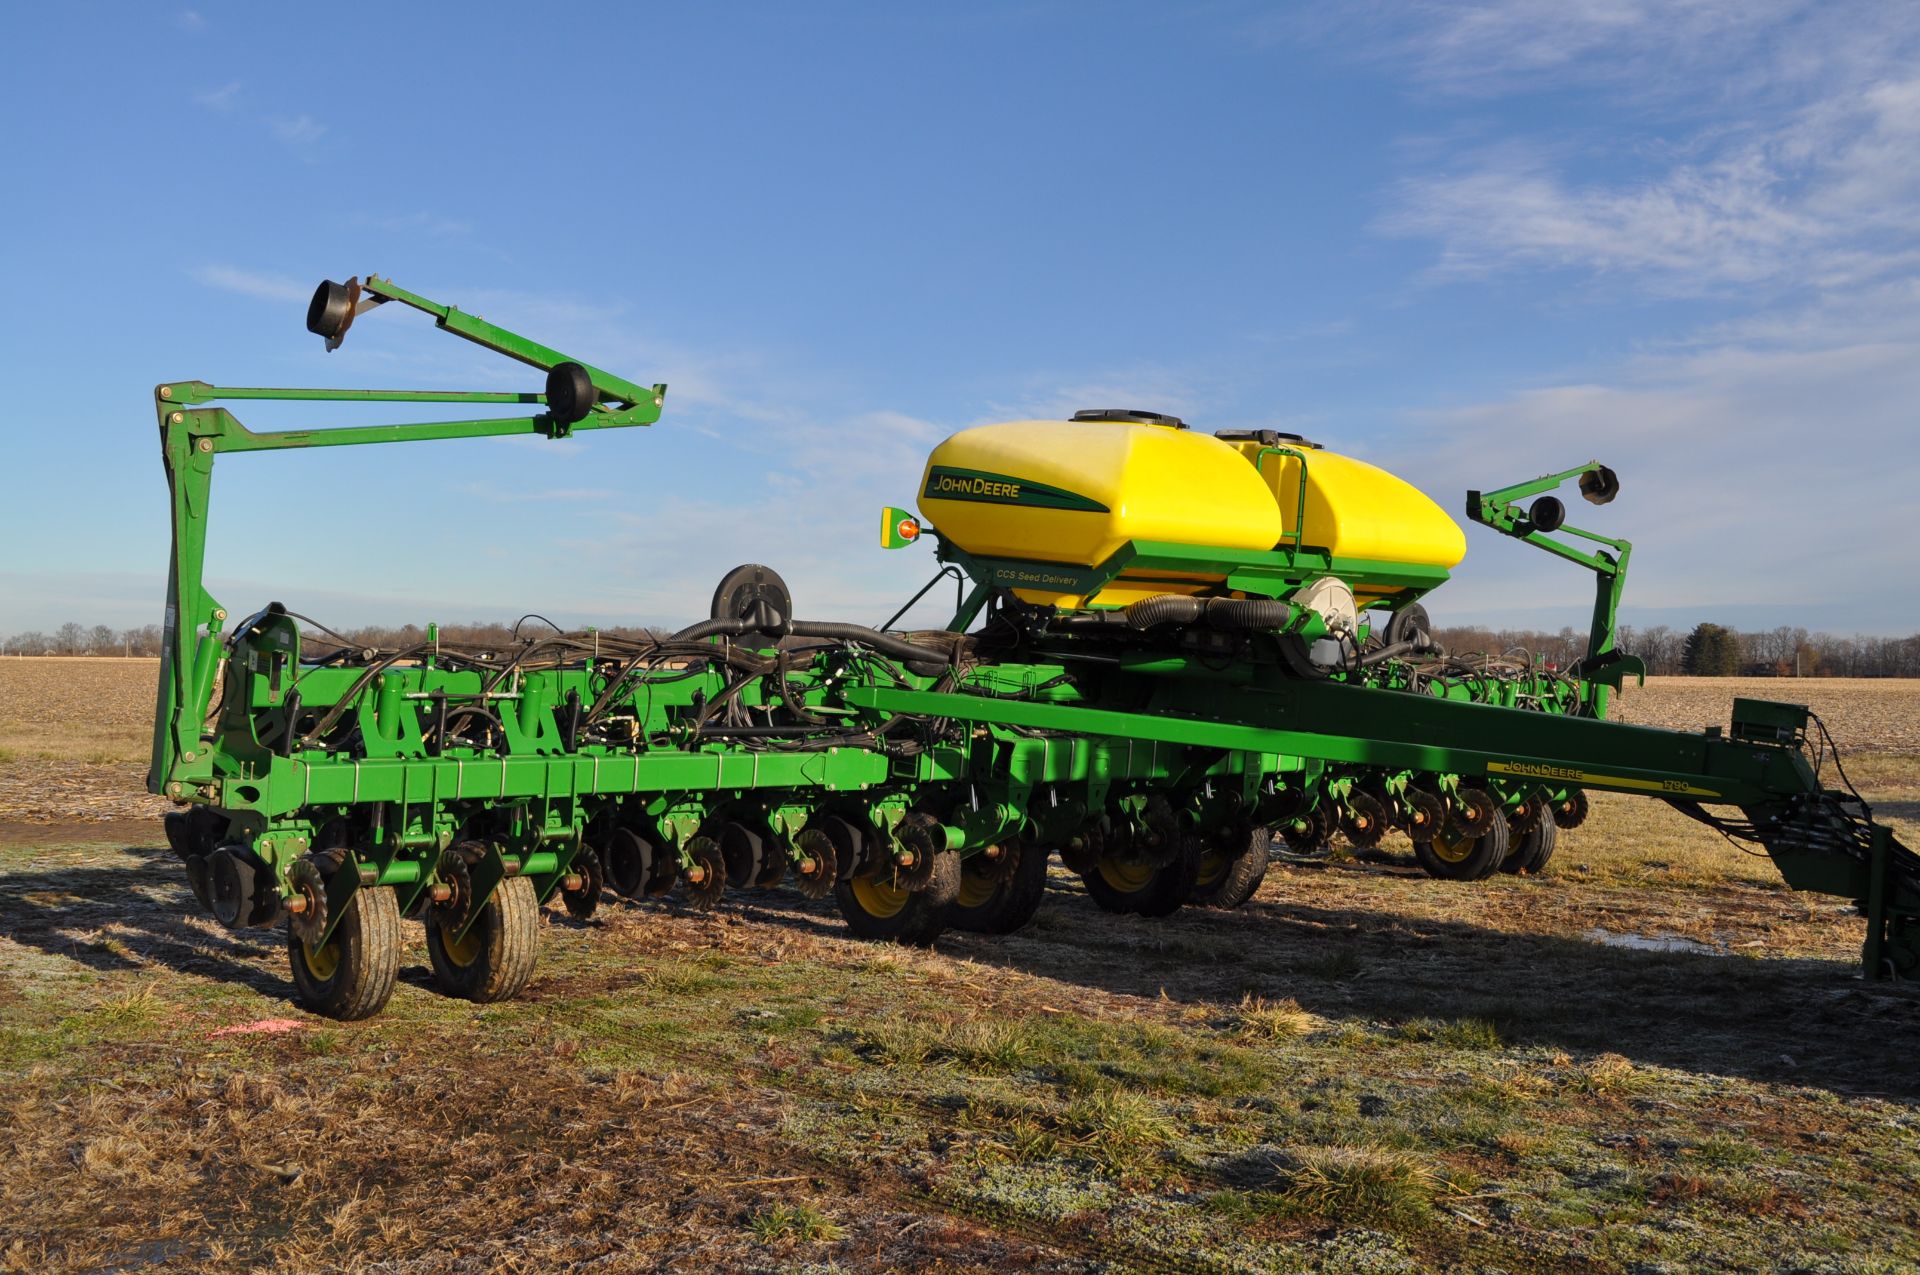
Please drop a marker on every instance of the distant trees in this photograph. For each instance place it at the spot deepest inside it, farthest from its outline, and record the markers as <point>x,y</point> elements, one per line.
<point>1711,651</point>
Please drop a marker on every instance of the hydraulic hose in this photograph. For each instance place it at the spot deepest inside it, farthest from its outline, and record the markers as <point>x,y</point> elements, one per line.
<point>886,643</point>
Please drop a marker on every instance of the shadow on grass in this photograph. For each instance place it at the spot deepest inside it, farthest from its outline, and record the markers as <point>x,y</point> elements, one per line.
<point>1795,1021</point>
<point>155,920</point>
<point>1806,1022</point>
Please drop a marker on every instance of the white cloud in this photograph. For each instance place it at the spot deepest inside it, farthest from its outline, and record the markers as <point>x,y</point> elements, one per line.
<point>297,130</point>
<point>219,98</point>
<point>1765,144</point>
<point>1754,476</point>
<point>189,20</point>
<point>253,283</point>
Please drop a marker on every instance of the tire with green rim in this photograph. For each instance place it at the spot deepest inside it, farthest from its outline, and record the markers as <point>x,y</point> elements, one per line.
<point>351,975</point>
<point>494,959</point>
<point>1457,855</point>
<point>877,906</point>
<point>1004,899</point>
<point>1232,867</point>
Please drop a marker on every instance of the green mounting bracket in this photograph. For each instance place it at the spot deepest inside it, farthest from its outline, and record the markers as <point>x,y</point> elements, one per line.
<point>1603,667</point>
<point>192,434</point>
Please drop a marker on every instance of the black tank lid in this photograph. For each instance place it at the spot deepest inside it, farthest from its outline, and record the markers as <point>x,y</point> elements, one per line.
<point>1128,414</point>
<point>1265,437</point>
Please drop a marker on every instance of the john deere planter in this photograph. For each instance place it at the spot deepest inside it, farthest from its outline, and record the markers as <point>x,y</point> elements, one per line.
<point>1168,647</point>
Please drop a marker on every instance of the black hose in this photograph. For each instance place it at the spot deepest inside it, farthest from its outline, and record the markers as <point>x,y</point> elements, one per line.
<point>886,643</point>
<point>1240,614</point>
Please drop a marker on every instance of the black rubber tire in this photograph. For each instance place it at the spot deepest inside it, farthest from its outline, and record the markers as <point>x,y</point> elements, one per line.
<point>1118,887</point>
<point>1242,866</point>
<point>875,909</point>
<point>1460,860</point>
<point>494,962</point>
<point>362,959</point>
<point>1015,895</point>
<point>570,393</point>
<point>1532,850</point>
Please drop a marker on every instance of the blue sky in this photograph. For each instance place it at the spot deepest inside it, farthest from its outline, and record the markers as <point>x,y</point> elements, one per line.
<point>1470,242</point>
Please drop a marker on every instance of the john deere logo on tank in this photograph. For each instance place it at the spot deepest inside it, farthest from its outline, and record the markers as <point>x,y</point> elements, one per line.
<point>1000,489</point>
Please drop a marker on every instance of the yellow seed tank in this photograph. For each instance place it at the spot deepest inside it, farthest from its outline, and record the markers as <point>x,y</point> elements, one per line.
<point>1075,492</point>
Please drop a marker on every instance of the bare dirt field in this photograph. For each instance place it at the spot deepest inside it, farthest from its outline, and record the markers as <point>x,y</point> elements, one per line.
<point>1652,1059</point>
<point>1864,714</point>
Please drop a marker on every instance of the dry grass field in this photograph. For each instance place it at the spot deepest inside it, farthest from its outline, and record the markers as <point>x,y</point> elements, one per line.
<point>1361,1070</point>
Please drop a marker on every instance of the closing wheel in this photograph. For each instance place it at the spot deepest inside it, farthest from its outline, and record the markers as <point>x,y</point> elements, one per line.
<point>493,960</point>
<point>585,901</point>
<point>352,974</point>
<point>999,897</point>
<point>877,906</point>
<point>1532,848</point>
<point>1457,854</point>
<point>1364,822</point>
<point>1421,813</point>
<point>1309,833</point>
<point>1231,867</point>
<point>1571,811</point>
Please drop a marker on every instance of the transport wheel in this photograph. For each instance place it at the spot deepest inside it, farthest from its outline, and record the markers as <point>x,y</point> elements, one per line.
<point>1004,898</point>
<point>1532,848</point>
<point>1232,868</point>
<point>494,960</point>
<point>1456,854</point>
<point>878,907</point>
<point>352,974</point>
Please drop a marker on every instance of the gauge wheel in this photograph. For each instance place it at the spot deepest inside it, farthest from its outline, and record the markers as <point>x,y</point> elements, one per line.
<point>1232,867</point>
<point>1456,854</point>
<point>877,905</point>
<point>351,975</point>
<point>585,901</point>
<point>1143,887</point>
<point>1532,849</point>
<point>493,960</point>
<point>1000,898</point>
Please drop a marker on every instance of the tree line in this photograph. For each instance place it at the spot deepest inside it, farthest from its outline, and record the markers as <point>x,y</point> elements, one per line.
<point>1712,650</point>
<point>78,639</point>
<point>1707,649</point>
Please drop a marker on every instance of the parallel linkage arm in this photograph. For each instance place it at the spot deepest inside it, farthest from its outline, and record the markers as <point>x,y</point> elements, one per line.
<point>1603,667</point>
<point>578,396</point>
